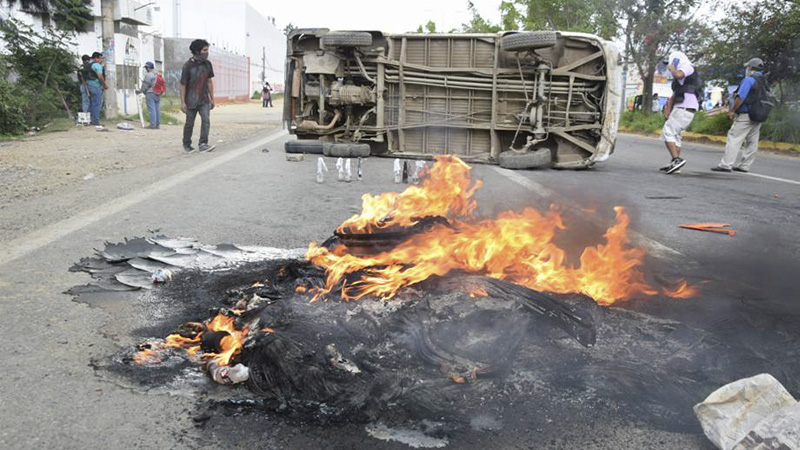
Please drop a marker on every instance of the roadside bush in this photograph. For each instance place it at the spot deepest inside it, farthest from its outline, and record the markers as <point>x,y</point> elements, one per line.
<point>256,95</point>
<point>783,125</point>
<point>12,105</point>
<point>716,125</point>
<point>641,122</point>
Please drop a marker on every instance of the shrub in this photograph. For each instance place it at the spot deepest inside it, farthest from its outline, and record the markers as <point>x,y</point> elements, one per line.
<point>716,125</point>
<point>641,122</point>
<point>782,126</point>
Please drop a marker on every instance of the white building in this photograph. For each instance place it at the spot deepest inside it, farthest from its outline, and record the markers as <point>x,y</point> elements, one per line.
<point>232,25</point>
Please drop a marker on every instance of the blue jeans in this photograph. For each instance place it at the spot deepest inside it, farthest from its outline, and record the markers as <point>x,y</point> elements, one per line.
<point>96,102</point>
<point>153,108</point>
<point>205,124</point>
<point>84,98</point>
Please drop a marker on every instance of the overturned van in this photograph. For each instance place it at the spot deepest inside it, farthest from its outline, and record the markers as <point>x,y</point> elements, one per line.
<point>517,99</point>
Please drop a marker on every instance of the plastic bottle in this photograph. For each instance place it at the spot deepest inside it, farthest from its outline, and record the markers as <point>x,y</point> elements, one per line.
<point>398,171</point>
<point>348,173</point>
<point>227,374</point>
<point>405,171</point>
<point>321,169</point>
<point>359,173</point>
<point>340,169</point>
<point>161,275</point>
<point>418,170</point>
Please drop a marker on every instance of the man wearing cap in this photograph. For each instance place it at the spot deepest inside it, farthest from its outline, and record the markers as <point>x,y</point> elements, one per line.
<point>680,109</point>
<point>153,100</point>
<point>742,142</point>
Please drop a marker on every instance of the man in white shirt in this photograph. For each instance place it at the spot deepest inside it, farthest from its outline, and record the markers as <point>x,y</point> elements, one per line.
<point>680,108</point>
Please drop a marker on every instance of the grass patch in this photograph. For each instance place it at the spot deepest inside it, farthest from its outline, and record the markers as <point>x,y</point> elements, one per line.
<point>716,125</point>
<point>60,124</point>
<point>641,122</point>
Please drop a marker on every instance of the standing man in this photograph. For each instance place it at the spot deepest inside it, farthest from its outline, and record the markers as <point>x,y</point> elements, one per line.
<point>85,64</point>
<point>152,99</point>
<point>197,94</point>
<point>680,108</point>
<point>266,96</point>
<point>742,142</point>
<point>96,82</point>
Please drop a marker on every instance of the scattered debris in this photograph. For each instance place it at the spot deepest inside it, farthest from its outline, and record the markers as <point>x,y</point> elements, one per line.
<point>161,275</point>
<point>776,196</point>
<point>662,197</point>
<point>321,169</point>
<point>88,176</point>
<point>228,375</point>
<point>749,414</point>
<point>713,227</point>
<point>294,157</point>
<point>265,150</point>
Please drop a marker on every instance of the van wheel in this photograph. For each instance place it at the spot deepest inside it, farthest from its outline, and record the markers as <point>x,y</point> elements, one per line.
<point>529,160</point>
<point>311,146</point>
<point>530,40</point>
<point>346,150</point>
<point>347,39</point>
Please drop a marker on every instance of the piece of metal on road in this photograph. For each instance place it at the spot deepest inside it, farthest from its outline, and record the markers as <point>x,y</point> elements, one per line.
<point>656,247</point>
<point>35,240</point>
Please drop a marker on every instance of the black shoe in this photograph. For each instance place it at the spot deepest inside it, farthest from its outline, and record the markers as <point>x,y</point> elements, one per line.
<point>720,169</point>
<point>189,149</point>
<point>207,148</point>
<point>739,169</point>
<point>677,163</point>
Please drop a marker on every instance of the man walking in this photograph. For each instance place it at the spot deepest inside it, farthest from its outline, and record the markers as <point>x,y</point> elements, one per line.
<point>742,142</point>
<point>197,95</point>
<point>680,109</point>
<point>85,65</point>
<point>152,99</point>
<point>96,82</point>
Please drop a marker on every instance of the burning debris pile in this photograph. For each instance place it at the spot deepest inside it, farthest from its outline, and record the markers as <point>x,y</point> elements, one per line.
<point>444,311</point>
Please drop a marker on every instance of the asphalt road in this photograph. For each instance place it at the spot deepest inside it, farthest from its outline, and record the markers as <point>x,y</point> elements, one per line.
<point>52,397</point>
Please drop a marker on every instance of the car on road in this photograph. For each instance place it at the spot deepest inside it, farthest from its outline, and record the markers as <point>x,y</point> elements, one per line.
<point>518,99</point>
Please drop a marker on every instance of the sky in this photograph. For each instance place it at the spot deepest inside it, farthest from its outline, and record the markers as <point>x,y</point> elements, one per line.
<point>390,16</point>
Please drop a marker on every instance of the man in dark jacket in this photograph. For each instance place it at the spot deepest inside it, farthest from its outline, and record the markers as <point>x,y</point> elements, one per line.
<point>742,142</point>
<point>197,95</point>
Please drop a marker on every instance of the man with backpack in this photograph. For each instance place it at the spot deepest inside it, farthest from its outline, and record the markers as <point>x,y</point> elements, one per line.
<point>153,86</point>
<point>96,83</point>
<point>750,107</point>
<point>681,107</point>
<point>85,98</point>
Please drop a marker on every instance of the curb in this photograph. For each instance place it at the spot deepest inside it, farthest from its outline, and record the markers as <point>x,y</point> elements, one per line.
<point>722,140</point>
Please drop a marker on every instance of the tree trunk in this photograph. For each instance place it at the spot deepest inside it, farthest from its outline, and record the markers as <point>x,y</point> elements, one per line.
<point>647,87</point>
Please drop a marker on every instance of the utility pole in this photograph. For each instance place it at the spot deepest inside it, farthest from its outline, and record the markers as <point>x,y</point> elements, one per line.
<point>263,66</point>
<point>109,51</point>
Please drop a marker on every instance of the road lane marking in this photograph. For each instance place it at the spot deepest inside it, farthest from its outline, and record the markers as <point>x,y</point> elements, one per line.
<point>35,240</point>
<point>656,247</point>
<point>784,180</point>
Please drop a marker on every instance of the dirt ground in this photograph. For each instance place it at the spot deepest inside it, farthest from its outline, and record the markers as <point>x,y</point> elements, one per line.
<point>49,162</point>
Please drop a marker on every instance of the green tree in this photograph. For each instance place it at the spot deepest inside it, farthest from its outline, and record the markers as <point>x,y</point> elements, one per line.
<point>478,24</point>
<point>68,15</point>
<point>589,16</point>
<point>776,40</point>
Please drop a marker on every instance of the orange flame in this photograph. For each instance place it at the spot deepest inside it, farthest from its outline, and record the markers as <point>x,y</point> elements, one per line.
<point>231,345</point>
<point>516,247</point>
<point>445,191</point>
<point>477,291</point>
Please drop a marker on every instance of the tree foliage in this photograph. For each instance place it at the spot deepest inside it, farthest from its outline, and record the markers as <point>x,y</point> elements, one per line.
<point>68,15</point>
<point>478,24</point>
<point>775,39</point>
<point>588,16</point>
<point>39,75</point>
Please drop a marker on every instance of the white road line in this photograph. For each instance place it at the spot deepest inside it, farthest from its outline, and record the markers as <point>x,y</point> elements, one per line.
<point>656,247</point>
<point>35,240</point>
<point>767,177</point>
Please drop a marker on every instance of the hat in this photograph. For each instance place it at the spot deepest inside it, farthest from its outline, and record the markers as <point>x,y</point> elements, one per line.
<point>149,64</point>
<point>755,63</point>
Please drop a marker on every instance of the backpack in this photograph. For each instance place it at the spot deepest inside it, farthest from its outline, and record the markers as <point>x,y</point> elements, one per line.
<point>760,101</point>
<point>161,86</point>
<point>89,73</point>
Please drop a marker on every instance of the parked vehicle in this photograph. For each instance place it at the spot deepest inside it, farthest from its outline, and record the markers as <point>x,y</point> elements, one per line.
<point>518,99</point>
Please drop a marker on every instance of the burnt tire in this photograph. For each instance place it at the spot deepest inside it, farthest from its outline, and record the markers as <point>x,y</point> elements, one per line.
<point>347,39</point>
<point>529,160</point>
<point>311,146</point>
<point>346,150</point>
<point>530,40</point>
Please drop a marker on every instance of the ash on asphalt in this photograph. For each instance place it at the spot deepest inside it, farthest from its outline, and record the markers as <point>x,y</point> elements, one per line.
<point>654,359</point>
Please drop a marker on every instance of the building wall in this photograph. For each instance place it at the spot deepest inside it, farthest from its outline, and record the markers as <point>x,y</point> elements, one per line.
<point>264,40</point>
<point>230,70</point>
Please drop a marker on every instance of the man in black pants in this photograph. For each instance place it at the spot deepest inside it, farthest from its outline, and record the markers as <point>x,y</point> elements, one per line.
<point>197,95</point>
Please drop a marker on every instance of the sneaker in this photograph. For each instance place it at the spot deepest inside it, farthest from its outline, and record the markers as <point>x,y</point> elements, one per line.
<point>720,169</point>
<point>739,169</point>
<point>207,148</point>
<point>189,149</point>
<point>665,168</point>
<point>677,163</point>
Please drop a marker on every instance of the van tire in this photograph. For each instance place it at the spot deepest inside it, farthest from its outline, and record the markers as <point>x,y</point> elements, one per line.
<point>347,39</point>
<point>529,160</point>
<point>346,150</point>
<point>530,40</point>
<point>310,146</point>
